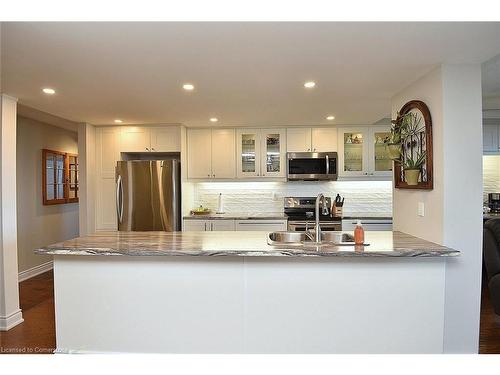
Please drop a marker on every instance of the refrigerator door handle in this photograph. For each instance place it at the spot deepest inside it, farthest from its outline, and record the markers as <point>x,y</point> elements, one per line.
<point>119,198</point>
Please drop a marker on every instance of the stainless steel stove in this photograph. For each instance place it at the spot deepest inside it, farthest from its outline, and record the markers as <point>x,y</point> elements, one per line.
<point>301,214</point>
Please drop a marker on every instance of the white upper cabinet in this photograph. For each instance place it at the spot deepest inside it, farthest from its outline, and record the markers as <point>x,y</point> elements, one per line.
<point>199,150</point>
<point>362,152</point>
<point>380,161</point>
<point>261,152</point>
<point>248,152</point>
<point>311,139</point>
<point>135,139</point>
<point>273,153</point>
<point>211,153</point>
<point>324,139</point>
<point>223,153</point>
<point>166,139</point>
<point>150,139</point>
<point>491,139</point>
<point>298,140</point>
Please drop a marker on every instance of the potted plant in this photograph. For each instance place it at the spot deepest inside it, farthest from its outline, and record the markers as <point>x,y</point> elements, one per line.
<point>412,167</point>
<point>394,141</point>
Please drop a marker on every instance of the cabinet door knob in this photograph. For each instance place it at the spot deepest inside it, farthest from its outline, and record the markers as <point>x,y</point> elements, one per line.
<point>208,175</point>
<point>213,175</point>
<point>308,149</point>
<point>152,149</point>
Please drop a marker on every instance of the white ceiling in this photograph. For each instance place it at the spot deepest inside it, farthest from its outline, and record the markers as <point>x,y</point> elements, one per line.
<point>244,73</point>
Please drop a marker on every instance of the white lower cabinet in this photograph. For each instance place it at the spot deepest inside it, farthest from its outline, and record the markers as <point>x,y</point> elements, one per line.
<point>368,224</point>
<point>261,225</point>
<point>196,225</point>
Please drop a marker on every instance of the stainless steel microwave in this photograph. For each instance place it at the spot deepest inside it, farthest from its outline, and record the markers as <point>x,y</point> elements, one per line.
<point>311,166</point>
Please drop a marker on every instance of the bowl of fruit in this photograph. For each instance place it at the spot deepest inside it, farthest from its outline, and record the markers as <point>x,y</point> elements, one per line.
<point>201,211</point>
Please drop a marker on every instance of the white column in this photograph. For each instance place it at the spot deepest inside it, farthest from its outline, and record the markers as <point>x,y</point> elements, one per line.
<point>86,154</point>
<point>10,313</point>
<point>463,204</point>
<point>453,209</point>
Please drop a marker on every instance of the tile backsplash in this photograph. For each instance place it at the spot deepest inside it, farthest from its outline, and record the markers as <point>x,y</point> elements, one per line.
<point>491,175</point>
<point>263,197</point>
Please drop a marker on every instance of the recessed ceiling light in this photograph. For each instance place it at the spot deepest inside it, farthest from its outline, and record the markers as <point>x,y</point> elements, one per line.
<point>330,118</point>
<point>188,87</point>
<point>118,121</point>
<point>309,84</point>
<point>214,119</point>
<point>49,91</point>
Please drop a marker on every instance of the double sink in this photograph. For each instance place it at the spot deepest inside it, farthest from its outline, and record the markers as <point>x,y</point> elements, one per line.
<point>302,239</point>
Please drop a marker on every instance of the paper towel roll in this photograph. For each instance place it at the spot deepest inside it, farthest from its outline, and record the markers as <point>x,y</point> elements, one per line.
<point>220,209</point>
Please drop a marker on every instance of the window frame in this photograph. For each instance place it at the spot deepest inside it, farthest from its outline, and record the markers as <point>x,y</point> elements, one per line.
<point>66,178</point>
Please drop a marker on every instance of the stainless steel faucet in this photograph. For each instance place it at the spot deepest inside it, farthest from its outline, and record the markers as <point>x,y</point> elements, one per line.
<point>320,199</point>
<point>317,229</point>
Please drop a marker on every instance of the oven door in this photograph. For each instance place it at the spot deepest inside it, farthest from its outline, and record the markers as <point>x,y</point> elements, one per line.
<point>301,226</point>
<point>311,166</point>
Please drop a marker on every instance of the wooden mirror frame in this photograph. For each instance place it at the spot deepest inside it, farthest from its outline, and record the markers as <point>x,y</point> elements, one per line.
<point>399,183</point>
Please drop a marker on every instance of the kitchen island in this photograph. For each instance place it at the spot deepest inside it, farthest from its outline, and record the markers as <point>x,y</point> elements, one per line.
<point>231,292</point>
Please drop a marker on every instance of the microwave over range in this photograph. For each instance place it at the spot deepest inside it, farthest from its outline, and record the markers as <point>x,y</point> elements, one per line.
<point>311,166</point>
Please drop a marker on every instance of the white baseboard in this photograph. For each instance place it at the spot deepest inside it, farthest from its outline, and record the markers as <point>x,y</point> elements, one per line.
<point>10,321</point>
<point>34,271</point>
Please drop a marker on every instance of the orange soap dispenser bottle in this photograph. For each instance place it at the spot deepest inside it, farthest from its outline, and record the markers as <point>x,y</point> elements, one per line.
<point>359,234</point>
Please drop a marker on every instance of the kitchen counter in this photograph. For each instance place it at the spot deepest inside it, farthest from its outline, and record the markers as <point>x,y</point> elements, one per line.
<point>247,244</point>
<point>229,292</point>
<point>239,216</point>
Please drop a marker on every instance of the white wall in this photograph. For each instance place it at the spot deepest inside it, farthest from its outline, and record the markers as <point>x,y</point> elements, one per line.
<point>40,225</point>
<point>453,208</point>
<point>405,202</point>
<point>87,160</point>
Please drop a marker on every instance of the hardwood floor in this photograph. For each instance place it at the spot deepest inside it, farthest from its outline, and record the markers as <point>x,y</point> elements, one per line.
<point>489,333</point>
<point>37,333</point>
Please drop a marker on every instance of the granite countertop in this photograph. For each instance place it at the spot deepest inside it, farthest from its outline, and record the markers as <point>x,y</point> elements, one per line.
<point>240,216</point>
<point>381,244</point>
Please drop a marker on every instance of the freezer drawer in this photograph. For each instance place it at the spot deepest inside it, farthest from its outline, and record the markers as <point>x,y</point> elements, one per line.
<point>368,224</point>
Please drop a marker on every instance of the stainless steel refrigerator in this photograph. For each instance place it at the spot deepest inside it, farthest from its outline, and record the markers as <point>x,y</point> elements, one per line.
<point>148,195</point>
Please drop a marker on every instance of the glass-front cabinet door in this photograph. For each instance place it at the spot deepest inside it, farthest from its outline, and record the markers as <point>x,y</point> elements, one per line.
<point>273,152</point>
<point>381,162</point>
<point>353,151</point>
<point>248,151</point>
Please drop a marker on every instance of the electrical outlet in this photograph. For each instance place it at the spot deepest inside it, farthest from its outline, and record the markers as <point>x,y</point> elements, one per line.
<point>421,209</point>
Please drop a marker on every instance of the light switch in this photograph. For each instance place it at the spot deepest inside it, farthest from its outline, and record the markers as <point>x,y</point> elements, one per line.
<point>421,209</point>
